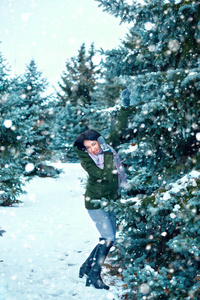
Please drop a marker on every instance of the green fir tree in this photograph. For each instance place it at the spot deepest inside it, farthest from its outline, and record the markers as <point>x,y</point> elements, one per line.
<point>24,135</point>
<point>79,79</point>
<point>158,247</point>
<point>11,183</point>
<point>35,106</point>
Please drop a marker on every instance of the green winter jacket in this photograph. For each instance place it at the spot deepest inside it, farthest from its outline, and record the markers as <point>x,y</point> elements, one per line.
<point>103,183</point>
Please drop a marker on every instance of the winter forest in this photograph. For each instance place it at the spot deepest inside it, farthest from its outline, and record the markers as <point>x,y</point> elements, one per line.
<point>158,249</point>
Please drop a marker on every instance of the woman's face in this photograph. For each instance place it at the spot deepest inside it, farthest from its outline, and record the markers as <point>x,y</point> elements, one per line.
<point>92,147</point>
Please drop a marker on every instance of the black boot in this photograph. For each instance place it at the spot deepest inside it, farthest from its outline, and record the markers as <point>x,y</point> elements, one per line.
<point>94,277</point>
<point>87,265</point>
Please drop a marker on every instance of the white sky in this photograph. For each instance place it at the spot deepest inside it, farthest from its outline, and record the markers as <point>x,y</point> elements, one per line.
<point>51,31</point>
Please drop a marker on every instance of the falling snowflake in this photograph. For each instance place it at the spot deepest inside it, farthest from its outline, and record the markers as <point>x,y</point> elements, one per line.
<point>172,215</point>
<point>152,48</point>
<point>174,45</point>
<point>148,25</point>
<point>164,233</point>
<point>25,17</point>
<point>198,136</point>
<point>29,167</point>
<point>144,288</point>
<point>7,123</point>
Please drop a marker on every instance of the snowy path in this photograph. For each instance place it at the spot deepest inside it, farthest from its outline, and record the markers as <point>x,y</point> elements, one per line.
<point>46,241</point>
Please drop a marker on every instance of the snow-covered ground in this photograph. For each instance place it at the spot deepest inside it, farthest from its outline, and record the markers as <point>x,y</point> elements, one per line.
<point>47,239</point>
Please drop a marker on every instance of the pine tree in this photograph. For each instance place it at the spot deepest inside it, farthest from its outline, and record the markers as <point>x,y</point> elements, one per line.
<point>11,184</point>
<point>79,79</point>
<point>36,106</point>
<point>68,123</point>
<point>4,77</point>
<point>24,135</point>
<point>79,101</point>
<point>165,36</point>
<point>159,248</point>
<point>163,59</point>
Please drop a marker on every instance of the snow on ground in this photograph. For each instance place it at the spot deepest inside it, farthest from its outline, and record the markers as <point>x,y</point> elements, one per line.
<point>47,239</point>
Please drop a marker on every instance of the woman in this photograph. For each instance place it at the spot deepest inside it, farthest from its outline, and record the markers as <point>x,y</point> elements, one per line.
<point>106,177</point>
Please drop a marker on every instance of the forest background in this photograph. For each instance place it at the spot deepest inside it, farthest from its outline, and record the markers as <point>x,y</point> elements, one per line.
<point>158,62</point>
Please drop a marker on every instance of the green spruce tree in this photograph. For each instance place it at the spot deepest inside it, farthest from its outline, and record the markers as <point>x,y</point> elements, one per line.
<point>68,123</point>
<point>158,248</point>
<point>35,106</point>
<point>79,79</point>
<point>163,59</point>
<point>11,183</point>
<point>77,99</point>
<point>24,131</point>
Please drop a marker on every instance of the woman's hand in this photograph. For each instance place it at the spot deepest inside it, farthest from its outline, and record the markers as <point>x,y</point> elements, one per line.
<point>103,144</point>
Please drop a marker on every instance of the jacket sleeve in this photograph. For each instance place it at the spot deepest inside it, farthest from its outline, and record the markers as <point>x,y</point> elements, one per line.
<point>114,136</point>
<point>91,168</point>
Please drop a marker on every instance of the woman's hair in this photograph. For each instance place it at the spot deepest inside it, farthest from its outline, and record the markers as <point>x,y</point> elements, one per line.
<point>90,135</point>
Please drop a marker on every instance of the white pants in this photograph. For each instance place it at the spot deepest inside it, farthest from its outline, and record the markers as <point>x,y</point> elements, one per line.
<point>105,223</point>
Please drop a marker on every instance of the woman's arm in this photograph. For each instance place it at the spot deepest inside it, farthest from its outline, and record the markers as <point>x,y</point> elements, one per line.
<point>116,133</point>
<point>114,136</point>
